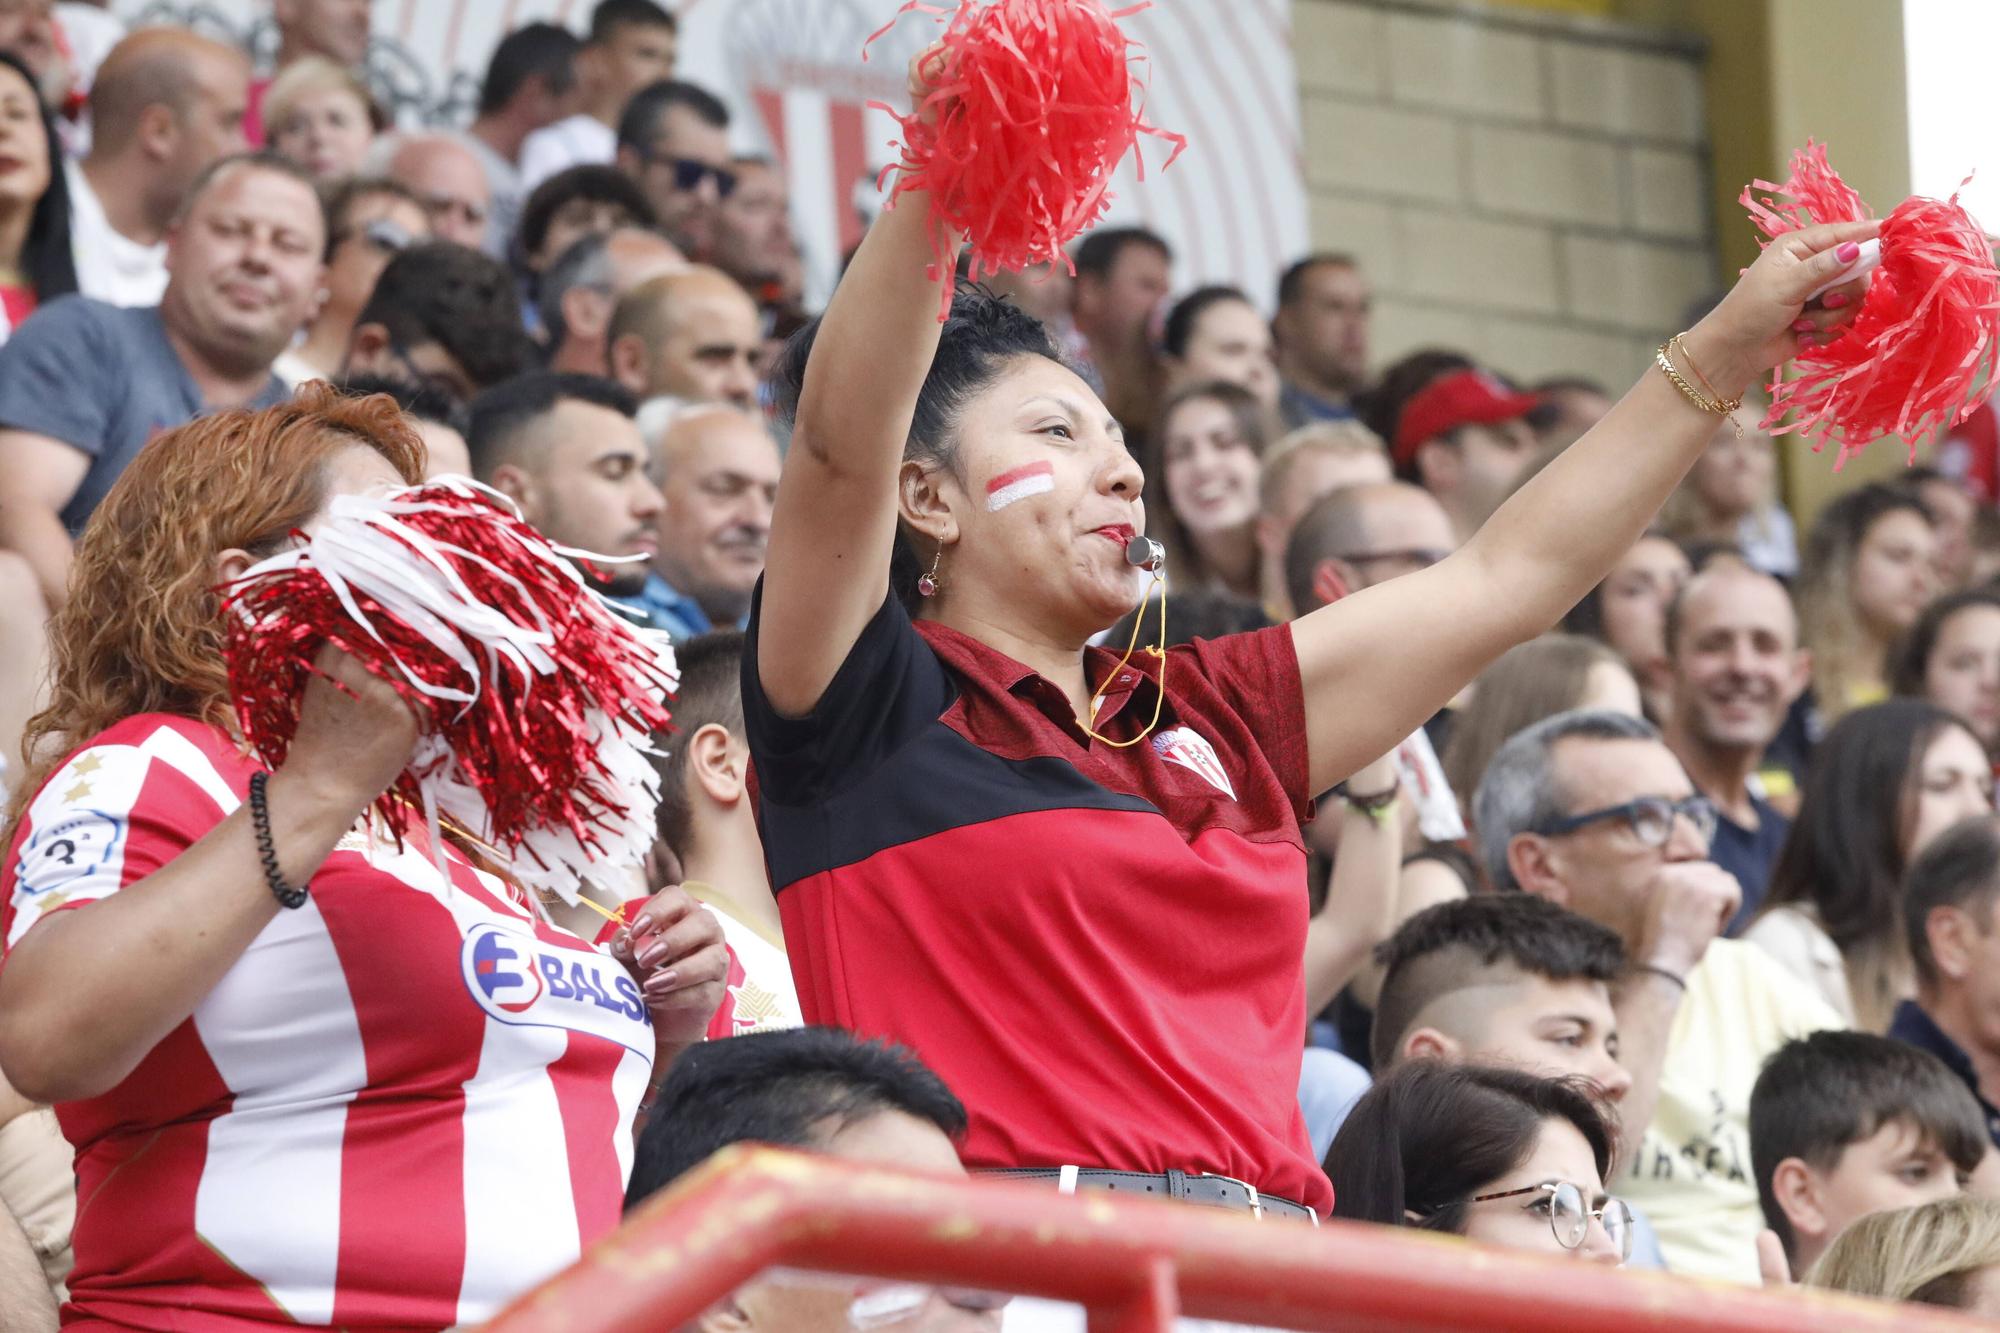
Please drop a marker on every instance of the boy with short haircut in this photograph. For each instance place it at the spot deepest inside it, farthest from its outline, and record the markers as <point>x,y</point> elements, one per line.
<point>1844,1124</point>
<point>1503,978</point>
<point>705,821</point>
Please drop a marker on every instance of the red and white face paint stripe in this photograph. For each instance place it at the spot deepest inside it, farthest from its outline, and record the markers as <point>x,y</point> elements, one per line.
<point>1020,483</point>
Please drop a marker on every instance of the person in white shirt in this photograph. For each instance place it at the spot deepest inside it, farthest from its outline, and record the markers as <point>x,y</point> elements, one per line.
<point>165,106</point>
<point>706,824</point>
<point>631,46</point>
<point>530,85</point>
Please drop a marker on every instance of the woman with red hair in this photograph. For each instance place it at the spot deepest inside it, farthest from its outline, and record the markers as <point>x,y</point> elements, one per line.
<point>310,1076</point>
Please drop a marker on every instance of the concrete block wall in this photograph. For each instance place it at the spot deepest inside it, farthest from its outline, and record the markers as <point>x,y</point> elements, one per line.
<point>1531,188</point>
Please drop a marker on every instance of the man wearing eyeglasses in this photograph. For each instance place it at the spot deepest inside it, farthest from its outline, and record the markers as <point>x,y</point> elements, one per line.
<point>674,141</point>
<point>446,177</point>
<point>1359,536</point>
<point>1591,810</point>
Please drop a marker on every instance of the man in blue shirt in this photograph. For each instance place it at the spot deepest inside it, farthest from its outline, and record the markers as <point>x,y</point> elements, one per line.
<point>1321,332</point>
<point>1733,643</point>
<point>84,384</point>
<point>718,476</point>
<point>1953,931</point>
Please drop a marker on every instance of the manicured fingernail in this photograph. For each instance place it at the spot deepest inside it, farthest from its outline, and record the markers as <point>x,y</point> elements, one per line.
<point>652,953</point>
<point>1835,300</point>
<point>1847,251</point>
<point>1802,326</point>
<point>661,982</point>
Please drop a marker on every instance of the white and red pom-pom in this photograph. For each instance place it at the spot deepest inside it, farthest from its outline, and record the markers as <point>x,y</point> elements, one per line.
<point>1038,112</point>
<point>541,697</point>
<point>1919,356</point>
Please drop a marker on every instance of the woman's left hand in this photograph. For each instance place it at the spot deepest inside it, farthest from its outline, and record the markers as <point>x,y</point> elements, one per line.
<point>674,950</point>
<point>1765,319</point>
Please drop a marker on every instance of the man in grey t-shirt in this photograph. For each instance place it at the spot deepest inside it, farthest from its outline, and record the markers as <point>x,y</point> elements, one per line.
<point>84,385</point>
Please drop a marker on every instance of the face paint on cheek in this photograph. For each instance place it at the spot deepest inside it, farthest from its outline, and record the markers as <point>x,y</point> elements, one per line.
<point>1018,484</point>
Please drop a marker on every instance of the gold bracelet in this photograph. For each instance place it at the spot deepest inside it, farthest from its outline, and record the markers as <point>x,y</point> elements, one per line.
<point>1717,404</point>
<point>1678,343</point>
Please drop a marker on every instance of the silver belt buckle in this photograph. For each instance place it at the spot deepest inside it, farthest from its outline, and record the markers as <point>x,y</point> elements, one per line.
<point>1256,1200</point>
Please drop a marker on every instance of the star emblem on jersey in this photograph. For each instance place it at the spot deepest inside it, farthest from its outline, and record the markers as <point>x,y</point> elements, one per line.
<point>1192,751</point>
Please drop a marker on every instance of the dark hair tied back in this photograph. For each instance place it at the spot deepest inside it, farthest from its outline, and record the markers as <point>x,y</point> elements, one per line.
<point>983,335</point>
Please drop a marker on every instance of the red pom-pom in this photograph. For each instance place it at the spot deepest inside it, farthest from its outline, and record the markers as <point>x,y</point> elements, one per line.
<point>540,697</point>
<point>1919,356</point>
<point>1040,112</point>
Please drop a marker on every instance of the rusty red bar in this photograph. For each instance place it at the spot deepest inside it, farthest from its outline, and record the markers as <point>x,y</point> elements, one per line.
<point>1133,1263</point>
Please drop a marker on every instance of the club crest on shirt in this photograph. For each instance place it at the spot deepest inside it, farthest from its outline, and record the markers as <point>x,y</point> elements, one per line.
<point>521,980</point>
<point>72,848</point>
<point>1191,751</point>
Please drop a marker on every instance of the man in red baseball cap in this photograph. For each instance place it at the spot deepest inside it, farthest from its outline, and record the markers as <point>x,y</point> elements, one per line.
<point>1464,437</point>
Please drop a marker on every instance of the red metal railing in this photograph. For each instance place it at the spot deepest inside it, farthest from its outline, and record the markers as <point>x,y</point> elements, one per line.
<point>1134,1264</point>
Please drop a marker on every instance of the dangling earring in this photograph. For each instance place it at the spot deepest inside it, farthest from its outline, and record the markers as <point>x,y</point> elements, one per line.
<point>927,586</point>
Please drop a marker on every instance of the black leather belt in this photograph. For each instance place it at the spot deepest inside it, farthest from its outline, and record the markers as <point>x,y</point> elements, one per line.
<point>1185,1186</point>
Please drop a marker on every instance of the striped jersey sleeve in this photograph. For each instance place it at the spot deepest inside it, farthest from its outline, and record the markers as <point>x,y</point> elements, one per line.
<point>112,814</point>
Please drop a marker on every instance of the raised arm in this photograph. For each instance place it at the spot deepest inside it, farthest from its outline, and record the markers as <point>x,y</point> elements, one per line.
<point>833,528</point>
<point>1406,646</point>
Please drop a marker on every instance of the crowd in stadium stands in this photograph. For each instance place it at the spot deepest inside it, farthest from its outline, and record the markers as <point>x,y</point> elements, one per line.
<point>1651,913</point>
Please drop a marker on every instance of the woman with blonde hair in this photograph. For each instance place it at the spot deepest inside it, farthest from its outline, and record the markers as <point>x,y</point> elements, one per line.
<point>1944,1253</point>
<point>210,968</point>
<point>322,116</point>
<point>1868,572</point>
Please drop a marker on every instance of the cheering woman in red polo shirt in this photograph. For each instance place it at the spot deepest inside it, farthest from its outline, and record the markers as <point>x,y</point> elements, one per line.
<point>1077,892</point>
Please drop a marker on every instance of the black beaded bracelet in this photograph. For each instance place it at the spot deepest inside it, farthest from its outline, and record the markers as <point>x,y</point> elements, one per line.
<point>267,850</point>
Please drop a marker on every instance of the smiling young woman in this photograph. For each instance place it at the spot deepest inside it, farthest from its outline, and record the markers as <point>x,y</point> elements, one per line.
<point>1072,883</point>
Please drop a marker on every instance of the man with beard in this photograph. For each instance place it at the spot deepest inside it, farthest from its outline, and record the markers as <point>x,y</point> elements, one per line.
<point>719,475</point>
<point>565,448</point>
<point>1733,644</point>
<point>84,384</point>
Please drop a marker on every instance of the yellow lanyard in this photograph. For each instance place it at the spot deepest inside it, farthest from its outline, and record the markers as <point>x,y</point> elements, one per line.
<point>1160,686</point>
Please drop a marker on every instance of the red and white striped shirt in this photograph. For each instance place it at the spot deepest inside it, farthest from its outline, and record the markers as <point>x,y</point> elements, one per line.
<point>407,1101</point>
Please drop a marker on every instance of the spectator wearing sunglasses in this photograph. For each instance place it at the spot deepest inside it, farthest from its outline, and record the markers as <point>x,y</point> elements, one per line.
<point>445,316</point>
<point>674,141</point>
<point>1591,810</point>
<point>1496,1155</point>
<point>369,222</point>
<point>1885,782</point>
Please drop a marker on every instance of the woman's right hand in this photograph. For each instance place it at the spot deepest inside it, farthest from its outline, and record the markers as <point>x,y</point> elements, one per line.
<point>1759,324</point>
<point>355,733</point>
<point>927,70</point>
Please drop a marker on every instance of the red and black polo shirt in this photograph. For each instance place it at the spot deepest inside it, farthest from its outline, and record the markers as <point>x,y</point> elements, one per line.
<point>1100,950</point>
